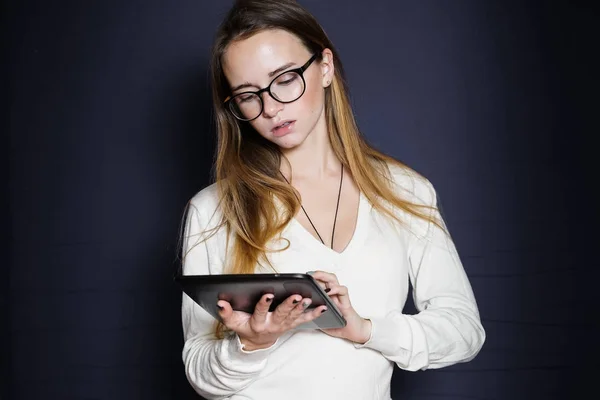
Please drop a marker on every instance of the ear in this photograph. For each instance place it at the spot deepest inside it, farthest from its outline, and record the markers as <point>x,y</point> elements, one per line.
<point>327,67</point>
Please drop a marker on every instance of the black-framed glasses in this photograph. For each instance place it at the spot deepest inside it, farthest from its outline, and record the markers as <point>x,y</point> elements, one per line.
<point>286,87</point>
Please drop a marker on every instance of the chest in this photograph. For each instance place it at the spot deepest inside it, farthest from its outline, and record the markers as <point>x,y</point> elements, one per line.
<point>329,211</point>
<point>374,266</point>
<point>333,223</point>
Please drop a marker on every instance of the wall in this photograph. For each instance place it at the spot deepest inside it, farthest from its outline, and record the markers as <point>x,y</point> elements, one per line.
<point>110,134</point>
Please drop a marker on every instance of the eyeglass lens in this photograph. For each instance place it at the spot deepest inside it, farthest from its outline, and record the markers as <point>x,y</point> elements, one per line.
<point>285,88</point>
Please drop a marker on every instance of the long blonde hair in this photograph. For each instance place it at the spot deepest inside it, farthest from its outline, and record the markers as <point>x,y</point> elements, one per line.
<point>247,165</point>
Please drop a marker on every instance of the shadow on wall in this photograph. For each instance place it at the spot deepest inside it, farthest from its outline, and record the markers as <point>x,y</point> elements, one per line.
<point>186,148</point>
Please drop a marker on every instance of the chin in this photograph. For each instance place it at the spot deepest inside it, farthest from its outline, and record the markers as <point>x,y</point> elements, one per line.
<point>290,141</point>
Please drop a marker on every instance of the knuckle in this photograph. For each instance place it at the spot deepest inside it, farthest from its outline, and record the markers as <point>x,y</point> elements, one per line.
<point>277,329</point>
<point>257,327</point>
<point>281,311</point>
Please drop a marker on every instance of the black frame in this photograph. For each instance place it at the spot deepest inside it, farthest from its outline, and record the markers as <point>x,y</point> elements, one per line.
<point>299,71</point>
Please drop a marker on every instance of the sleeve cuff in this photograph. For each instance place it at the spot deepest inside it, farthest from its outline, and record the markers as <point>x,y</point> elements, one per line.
<point>399,337</point>
<point>359,345</point>
<point>238,353</point>
<point>384,335</point>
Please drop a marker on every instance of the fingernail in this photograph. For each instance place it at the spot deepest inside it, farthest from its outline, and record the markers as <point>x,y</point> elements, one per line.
<point>269,299</point>
<point>327,290</point>
<point>219,307</point>
<point>323,310</point>
<point>295,301</point>
<point>310,272</point>
<point>305,305</point>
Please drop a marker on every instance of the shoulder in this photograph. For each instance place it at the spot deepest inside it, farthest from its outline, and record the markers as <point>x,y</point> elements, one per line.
<point>411,185</point>
<point>205,204</point>
<point>206,199</point>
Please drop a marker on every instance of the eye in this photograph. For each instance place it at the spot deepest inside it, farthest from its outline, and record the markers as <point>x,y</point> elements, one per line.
<point>287,79</point>
<point>244,98</point>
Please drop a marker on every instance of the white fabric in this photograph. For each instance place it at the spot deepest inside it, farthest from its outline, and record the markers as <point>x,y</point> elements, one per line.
<point>377,266</point>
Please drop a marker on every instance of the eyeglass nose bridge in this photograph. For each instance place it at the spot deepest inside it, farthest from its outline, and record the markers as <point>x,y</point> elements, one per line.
<point>268,90</point>
<point>270,94</point>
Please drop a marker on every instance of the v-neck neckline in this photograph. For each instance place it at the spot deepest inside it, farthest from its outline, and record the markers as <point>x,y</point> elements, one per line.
<point>315,243</point>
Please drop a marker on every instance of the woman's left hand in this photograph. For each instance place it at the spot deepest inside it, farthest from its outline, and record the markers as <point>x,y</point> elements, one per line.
<point>357,329</point>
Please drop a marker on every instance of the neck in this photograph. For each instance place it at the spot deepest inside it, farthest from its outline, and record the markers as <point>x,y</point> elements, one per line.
<point>314,159</point>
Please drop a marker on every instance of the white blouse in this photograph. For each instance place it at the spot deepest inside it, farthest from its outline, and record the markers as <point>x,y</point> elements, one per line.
<point>381,260</point>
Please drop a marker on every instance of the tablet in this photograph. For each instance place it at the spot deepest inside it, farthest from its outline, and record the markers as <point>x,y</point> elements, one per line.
<point>243,291</point>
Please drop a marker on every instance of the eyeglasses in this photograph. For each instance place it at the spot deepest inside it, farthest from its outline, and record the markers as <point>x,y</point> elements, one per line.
<point>287,87</point>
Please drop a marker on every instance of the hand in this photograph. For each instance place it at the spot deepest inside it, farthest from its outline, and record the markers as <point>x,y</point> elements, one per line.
<point>262,328</point>
<point>357,329</point>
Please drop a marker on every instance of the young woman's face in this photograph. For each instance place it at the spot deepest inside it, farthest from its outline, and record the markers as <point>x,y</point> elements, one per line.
<point>252,64</point>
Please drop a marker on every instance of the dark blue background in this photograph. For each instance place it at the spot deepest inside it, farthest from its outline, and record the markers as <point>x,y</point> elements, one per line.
<point>110,134</point>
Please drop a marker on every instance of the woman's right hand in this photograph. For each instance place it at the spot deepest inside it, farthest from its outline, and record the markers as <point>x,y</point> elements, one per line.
<point>262,328</point>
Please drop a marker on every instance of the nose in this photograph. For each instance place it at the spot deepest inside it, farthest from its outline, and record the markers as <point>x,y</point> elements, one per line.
<point>271,107</point>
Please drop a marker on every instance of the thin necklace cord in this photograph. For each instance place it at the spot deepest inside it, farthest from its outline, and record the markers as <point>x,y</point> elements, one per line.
<point>336,208</point>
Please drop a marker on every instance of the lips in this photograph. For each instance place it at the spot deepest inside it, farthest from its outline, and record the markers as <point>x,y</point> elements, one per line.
<point>283,124</point>
<point>283,128</point>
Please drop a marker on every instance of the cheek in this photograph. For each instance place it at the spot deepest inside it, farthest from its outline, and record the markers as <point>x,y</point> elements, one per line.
<point>262,126</point>
<point>313,99</point>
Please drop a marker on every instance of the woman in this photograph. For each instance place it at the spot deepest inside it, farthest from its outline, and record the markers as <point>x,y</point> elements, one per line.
<point>297,189</point>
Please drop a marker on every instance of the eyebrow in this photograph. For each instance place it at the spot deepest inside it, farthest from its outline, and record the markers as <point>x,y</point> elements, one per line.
<point>271,74</point>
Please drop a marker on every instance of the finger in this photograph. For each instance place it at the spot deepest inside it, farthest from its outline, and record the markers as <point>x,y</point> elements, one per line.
<point>225,312</point>
<point>323,285</point>
<point>262,308</point>
<point>297,311</point>
<point>341,293</point>
<point>339,290</point>
<point>326,277</point>
<point>340,296</point>
<point>283,310</point>
<point>310,315</point>
<point>336,301</point>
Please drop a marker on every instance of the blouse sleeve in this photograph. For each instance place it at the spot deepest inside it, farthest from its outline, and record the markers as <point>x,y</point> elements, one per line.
<point>447,329</point>
<point>216,368</point>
